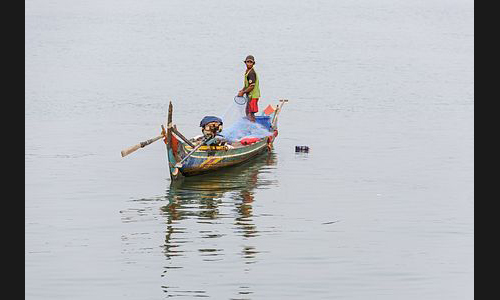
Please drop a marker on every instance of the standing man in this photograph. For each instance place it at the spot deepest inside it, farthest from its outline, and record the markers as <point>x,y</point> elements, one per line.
<point>251,88</point>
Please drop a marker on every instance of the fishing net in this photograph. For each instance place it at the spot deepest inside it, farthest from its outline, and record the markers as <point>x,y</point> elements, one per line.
<point>244,128</point>
<point>241,100</point>
<point>235,111</point>
<point>237,126</point>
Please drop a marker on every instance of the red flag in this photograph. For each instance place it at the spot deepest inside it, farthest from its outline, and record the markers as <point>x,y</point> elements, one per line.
<point>269,110</point>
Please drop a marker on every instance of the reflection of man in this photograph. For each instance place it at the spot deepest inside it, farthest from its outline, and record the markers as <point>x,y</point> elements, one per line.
<point>248,197</point>
<point>251,88</point>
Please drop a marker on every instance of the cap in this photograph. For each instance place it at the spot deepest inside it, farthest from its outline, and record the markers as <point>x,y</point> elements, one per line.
<point>250,57</point>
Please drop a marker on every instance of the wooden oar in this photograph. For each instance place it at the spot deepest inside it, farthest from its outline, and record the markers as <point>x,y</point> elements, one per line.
<point>129,150</point>
<point>177,133</point>
<point>277,111</point>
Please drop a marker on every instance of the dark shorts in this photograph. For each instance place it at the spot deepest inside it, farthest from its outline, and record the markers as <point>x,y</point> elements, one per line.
<point>252,106</point>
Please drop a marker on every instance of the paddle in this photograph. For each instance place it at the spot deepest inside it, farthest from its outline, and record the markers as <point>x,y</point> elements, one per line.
<point>277,111</point>
<point>129,150</point>
<point>179,164</point>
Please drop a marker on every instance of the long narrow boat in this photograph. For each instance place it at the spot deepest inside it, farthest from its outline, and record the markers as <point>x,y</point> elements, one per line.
<point>186,158</point>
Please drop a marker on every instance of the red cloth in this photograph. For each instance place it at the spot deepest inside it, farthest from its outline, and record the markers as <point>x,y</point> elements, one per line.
<point>249,141</point>
<point>252,105</point>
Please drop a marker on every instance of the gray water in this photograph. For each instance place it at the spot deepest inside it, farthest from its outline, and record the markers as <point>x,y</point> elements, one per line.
<point>382,207</point>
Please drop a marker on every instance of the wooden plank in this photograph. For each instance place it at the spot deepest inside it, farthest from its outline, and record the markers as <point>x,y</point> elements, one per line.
<point>177,133</point>
<point>169,123</point>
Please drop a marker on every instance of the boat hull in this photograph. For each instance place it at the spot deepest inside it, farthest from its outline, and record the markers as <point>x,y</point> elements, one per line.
<point>205,161</point>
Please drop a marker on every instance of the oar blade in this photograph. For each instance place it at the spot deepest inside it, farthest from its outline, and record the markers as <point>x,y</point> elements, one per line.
<point>129,150</point>
<point>141,145</point>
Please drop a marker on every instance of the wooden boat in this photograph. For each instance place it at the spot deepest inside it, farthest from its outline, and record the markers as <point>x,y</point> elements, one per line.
<point>186,158</point>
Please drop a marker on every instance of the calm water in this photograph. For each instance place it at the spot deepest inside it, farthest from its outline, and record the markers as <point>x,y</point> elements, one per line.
<point>382,207</point>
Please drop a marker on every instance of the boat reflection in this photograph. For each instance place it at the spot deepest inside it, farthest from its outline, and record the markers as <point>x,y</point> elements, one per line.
<point>205,213</point>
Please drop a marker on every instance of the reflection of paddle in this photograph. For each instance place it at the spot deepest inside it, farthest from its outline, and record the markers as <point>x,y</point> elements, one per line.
<point>179,164</point>
<point>129,150</point>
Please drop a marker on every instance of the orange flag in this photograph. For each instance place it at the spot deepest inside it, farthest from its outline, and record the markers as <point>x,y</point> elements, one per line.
<point>269,110</point>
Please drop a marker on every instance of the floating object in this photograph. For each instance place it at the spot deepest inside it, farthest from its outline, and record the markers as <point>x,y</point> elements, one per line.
<point>185,160</point>
<point>301,148</point>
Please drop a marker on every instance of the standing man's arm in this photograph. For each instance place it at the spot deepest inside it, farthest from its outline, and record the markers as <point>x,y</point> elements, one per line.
<point>247,90</point>
<point>251,81</point>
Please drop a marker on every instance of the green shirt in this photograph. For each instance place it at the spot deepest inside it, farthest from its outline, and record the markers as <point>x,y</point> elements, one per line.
<point>250,78</point>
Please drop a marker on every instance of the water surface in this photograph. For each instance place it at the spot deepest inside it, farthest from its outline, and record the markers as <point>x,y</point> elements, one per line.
<point>382,207</point>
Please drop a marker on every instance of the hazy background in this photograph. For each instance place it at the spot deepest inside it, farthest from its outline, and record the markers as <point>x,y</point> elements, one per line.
<point>381,208</point>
